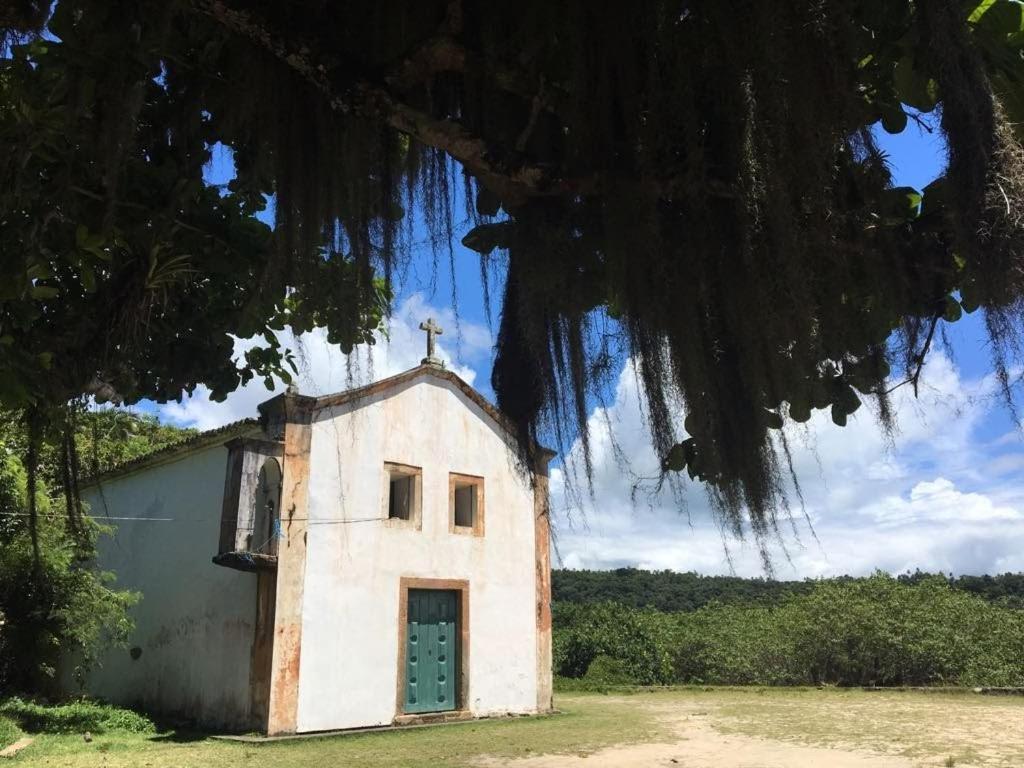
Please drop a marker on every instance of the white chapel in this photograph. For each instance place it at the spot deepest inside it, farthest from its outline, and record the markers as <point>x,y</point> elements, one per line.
<point>368,558</point>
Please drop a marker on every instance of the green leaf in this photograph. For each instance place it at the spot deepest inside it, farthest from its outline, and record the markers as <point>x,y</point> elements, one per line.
<point>846,400</point>
<point>980,11</point>
<point>676,459</point>
<point>45,360</point>
<point>838,416</point>
<point>487,203</point>
<point>799,412</point>
<point>88,278</point>
<point>952,311</point>
<point>894,119</point>
<point>900,204</point>
<point>1000,17</point>
<point>39,271</point>
<point>970,296</point>
<point>935,197</point>
<point>690,424</point>
<point>772,420</point>
<point>914,87</point>
<point>486,237</point>
<point>44,292</point>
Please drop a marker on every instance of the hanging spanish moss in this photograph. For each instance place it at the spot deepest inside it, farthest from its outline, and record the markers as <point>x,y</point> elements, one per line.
<point>704,173</point>
<point>749,238</point>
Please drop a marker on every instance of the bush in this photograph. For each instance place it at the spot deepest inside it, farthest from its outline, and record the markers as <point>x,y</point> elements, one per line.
<point>9,731</point>
<point>61,607</point>
<point>74,717</point>
<point>638,640</point>
<point>604,670</point>
<point>874,631</point>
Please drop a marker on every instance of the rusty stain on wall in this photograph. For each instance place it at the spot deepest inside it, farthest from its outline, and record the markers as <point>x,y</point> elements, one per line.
<point>262,656</point>
<point>542,534</point>
<point>295,413</point>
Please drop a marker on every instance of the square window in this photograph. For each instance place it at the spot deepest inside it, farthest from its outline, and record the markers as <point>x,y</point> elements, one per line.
<point>402,494</point>
<point>466,504</point>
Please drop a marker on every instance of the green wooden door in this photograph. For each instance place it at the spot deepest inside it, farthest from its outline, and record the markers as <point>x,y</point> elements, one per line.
<point>431,651</point>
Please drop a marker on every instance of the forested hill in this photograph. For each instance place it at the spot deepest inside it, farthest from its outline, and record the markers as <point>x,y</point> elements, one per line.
<point>671,591</point>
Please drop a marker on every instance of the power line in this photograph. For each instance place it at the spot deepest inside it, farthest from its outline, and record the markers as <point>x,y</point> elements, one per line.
<point>310,520</point>
<point>57,516</point>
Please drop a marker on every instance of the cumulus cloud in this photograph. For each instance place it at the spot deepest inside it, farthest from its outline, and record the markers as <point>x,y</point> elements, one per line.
<point>938,500</point>
<point>324,368</point>
<point>931,496</point>
<point>934,496</point>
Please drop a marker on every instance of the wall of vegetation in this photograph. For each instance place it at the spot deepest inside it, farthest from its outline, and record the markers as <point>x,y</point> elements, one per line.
<point>672,591</point>
<point>873,631</point>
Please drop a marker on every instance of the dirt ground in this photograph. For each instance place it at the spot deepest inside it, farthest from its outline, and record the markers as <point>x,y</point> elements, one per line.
<point>700,746</point>
<point>684,728</point>
<point>731,729</point>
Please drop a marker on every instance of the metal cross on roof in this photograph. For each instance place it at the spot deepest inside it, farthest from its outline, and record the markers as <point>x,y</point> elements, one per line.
<point>432,329</point>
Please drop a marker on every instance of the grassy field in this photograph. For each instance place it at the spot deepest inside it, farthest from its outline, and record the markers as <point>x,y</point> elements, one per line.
<point>721,727</point>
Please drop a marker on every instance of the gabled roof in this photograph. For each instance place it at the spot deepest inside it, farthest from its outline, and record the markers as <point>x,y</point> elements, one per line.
<point>248,426</point>
<point>436,371</point>
<point>191,444</point>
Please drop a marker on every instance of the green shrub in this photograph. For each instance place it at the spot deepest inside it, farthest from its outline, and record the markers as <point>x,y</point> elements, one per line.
<point>636,639</point>
<point>59,608</point>
<point>873,631</point>
<point>608,671</point>
<point>74,717</point>
<point>9,731</point>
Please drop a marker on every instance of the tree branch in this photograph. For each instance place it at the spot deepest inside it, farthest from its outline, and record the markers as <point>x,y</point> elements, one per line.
<point>514,184</point>
<point>916,377</point>
<point>442,53</point>
<point>498,169</point>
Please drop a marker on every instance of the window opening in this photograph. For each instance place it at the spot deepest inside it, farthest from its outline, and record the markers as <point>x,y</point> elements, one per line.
<point>400,496</point>
<point>465,505</point>
<point>265,513</point>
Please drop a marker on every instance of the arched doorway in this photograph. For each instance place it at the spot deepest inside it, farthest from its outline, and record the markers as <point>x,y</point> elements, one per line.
<point>266,511</point>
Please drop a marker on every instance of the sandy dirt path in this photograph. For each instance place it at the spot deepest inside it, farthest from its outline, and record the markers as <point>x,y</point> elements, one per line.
<point>696,744</point>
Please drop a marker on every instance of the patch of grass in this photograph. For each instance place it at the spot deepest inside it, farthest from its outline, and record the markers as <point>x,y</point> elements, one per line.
<point>74,717</point>
<point>587,723</point>
<point>9,731</point>
<point>972,730</point>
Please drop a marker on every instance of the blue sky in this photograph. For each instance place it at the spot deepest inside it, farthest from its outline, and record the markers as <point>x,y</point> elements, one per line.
<point>944,493</point>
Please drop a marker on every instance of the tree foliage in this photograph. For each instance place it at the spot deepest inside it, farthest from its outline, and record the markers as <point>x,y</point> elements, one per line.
<point>674,592</point>
<point>695,184</point>
<point>874,631</point>
<point>55,605</point>
<point>103,439</point>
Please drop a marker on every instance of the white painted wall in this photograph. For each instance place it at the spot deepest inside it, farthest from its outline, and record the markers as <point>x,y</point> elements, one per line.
<point>195,621</point>
<point>348,672</point>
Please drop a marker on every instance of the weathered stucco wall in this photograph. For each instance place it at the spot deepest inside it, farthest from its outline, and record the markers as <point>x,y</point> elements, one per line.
<point>348,674</point>
<point>195,621</point>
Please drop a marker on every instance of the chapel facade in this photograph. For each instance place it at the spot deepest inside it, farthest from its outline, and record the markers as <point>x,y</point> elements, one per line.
<point>374,557</point>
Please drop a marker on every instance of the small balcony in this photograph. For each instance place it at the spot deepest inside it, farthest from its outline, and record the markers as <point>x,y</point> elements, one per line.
<point>251,516</point>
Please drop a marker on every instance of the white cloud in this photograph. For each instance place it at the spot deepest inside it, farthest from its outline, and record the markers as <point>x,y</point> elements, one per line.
<point>324,369</point>
<point>932,496</point>
<point>938,500</point>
